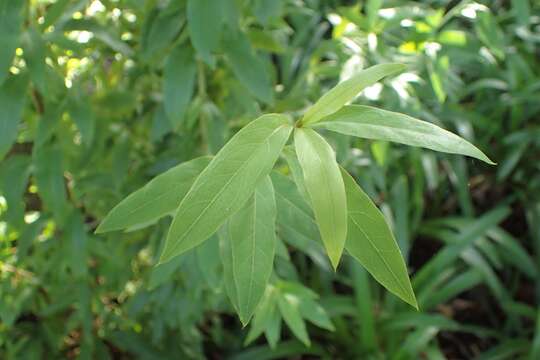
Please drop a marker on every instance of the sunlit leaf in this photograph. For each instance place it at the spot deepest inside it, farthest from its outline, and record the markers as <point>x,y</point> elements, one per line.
<point>370,241</point>
<point>372,123</point>
<point>253,240</point>
<point>156,199</point>
<point>227,183</point>
<point>347,90</point>
<point>326,190</point>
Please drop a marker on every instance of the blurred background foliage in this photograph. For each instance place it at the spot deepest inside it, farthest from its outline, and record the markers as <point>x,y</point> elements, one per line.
<point>99,96</point>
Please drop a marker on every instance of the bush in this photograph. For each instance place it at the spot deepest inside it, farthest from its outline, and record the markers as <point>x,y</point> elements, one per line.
<point>100,97</point>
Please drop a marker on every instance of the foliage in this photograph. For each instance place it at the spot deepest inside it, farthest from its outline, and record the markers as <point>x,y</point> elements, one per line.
<point>100,99</point>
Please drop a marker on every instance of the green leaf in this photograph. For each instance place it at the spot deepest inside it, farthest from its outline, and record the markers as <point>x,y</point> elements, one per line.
<point>12,96</point>
<point>49,175</point>
<point>247,66</point>
<point>209,262</point>
<point>372,123</point>
<point>296,224</point>
<point>178,83</point>
<point>227,183</point>
<point>326,190</point>
<point>289,307</point>
<point>225,252</point>
<point>14,174</point>
<point>81,113</point>
<point>204,24</point>
<point>253,241</point>
<point>370,241</point>
<point>10,28</point>
<point>35,51</point>
<point>347,90</point>
<point>156,199</point>
<point>296,170</point>
<point>160,29</point>
<point>315,313</point>
<point>264,314</point>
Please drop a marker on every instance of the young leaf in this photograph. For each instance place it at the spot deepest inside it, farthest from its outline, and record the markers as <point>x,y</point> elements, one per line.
<point>179,81</point>
<point>372,123</point>
<point>347,90</point>
<point>12,95</point>
<point>10,27</point>
<point>253,241</point>
<point>370,241</point>
<point>289,307</point>
<point>326,190</point>
<point>247,66</point>
<point>227,183</point>
<point>204,24</point>
<point>156,199</point>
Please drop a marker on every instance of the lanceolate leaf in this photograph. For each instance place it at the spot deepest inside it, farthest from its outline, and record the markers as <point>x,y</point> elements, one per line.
<point>35,51</point>
<point>253,240</point>
<point>179,81</point>
<point>370,241</point>
<point>10,28</point>
<point>347,90</point>
<point>247,67</point>
<point>49,176</point>
<point>372,123</point>
<point>289,307</point>
<point>156,199</point>
<point>296,224</point>
<point>225,253</point>
<point>227,183</point>
<point>204,23</point>
<point>326,190</point>
<point>264,314</point>
<point>12,95</point>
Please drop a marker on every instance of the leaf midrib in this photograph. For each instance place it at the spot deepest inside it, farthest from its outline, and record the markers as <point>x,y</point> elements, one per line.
<point>396,279</point>
<point>196,221</point>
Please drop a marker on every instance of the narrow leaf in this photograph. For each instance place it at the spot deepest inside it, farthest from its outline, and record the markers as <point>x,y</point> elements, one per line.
<point>253,241</point>
<point>296,224</point>
<point>247,66</point>
<point>49,175</point>
<point>10,28</point>
<point>225,253</point>
<point>156,199</point>
<point>204,24</point>
<point>372,123</point>
<point>315,313</point>
<point>289,307</point>
<point>227,183</point>
<point>12,95</point>
<point>370,241</point>
<point>347,90</point>
<point>263,315</point>
<point>35,51</point>
<point>326,190</point>
<point>178,83</point>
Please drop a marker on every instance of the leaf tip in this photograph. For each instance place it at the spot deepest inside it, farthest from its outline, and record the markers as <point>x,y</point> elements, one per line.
<point>101,228</point>
<point>334,260</point>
